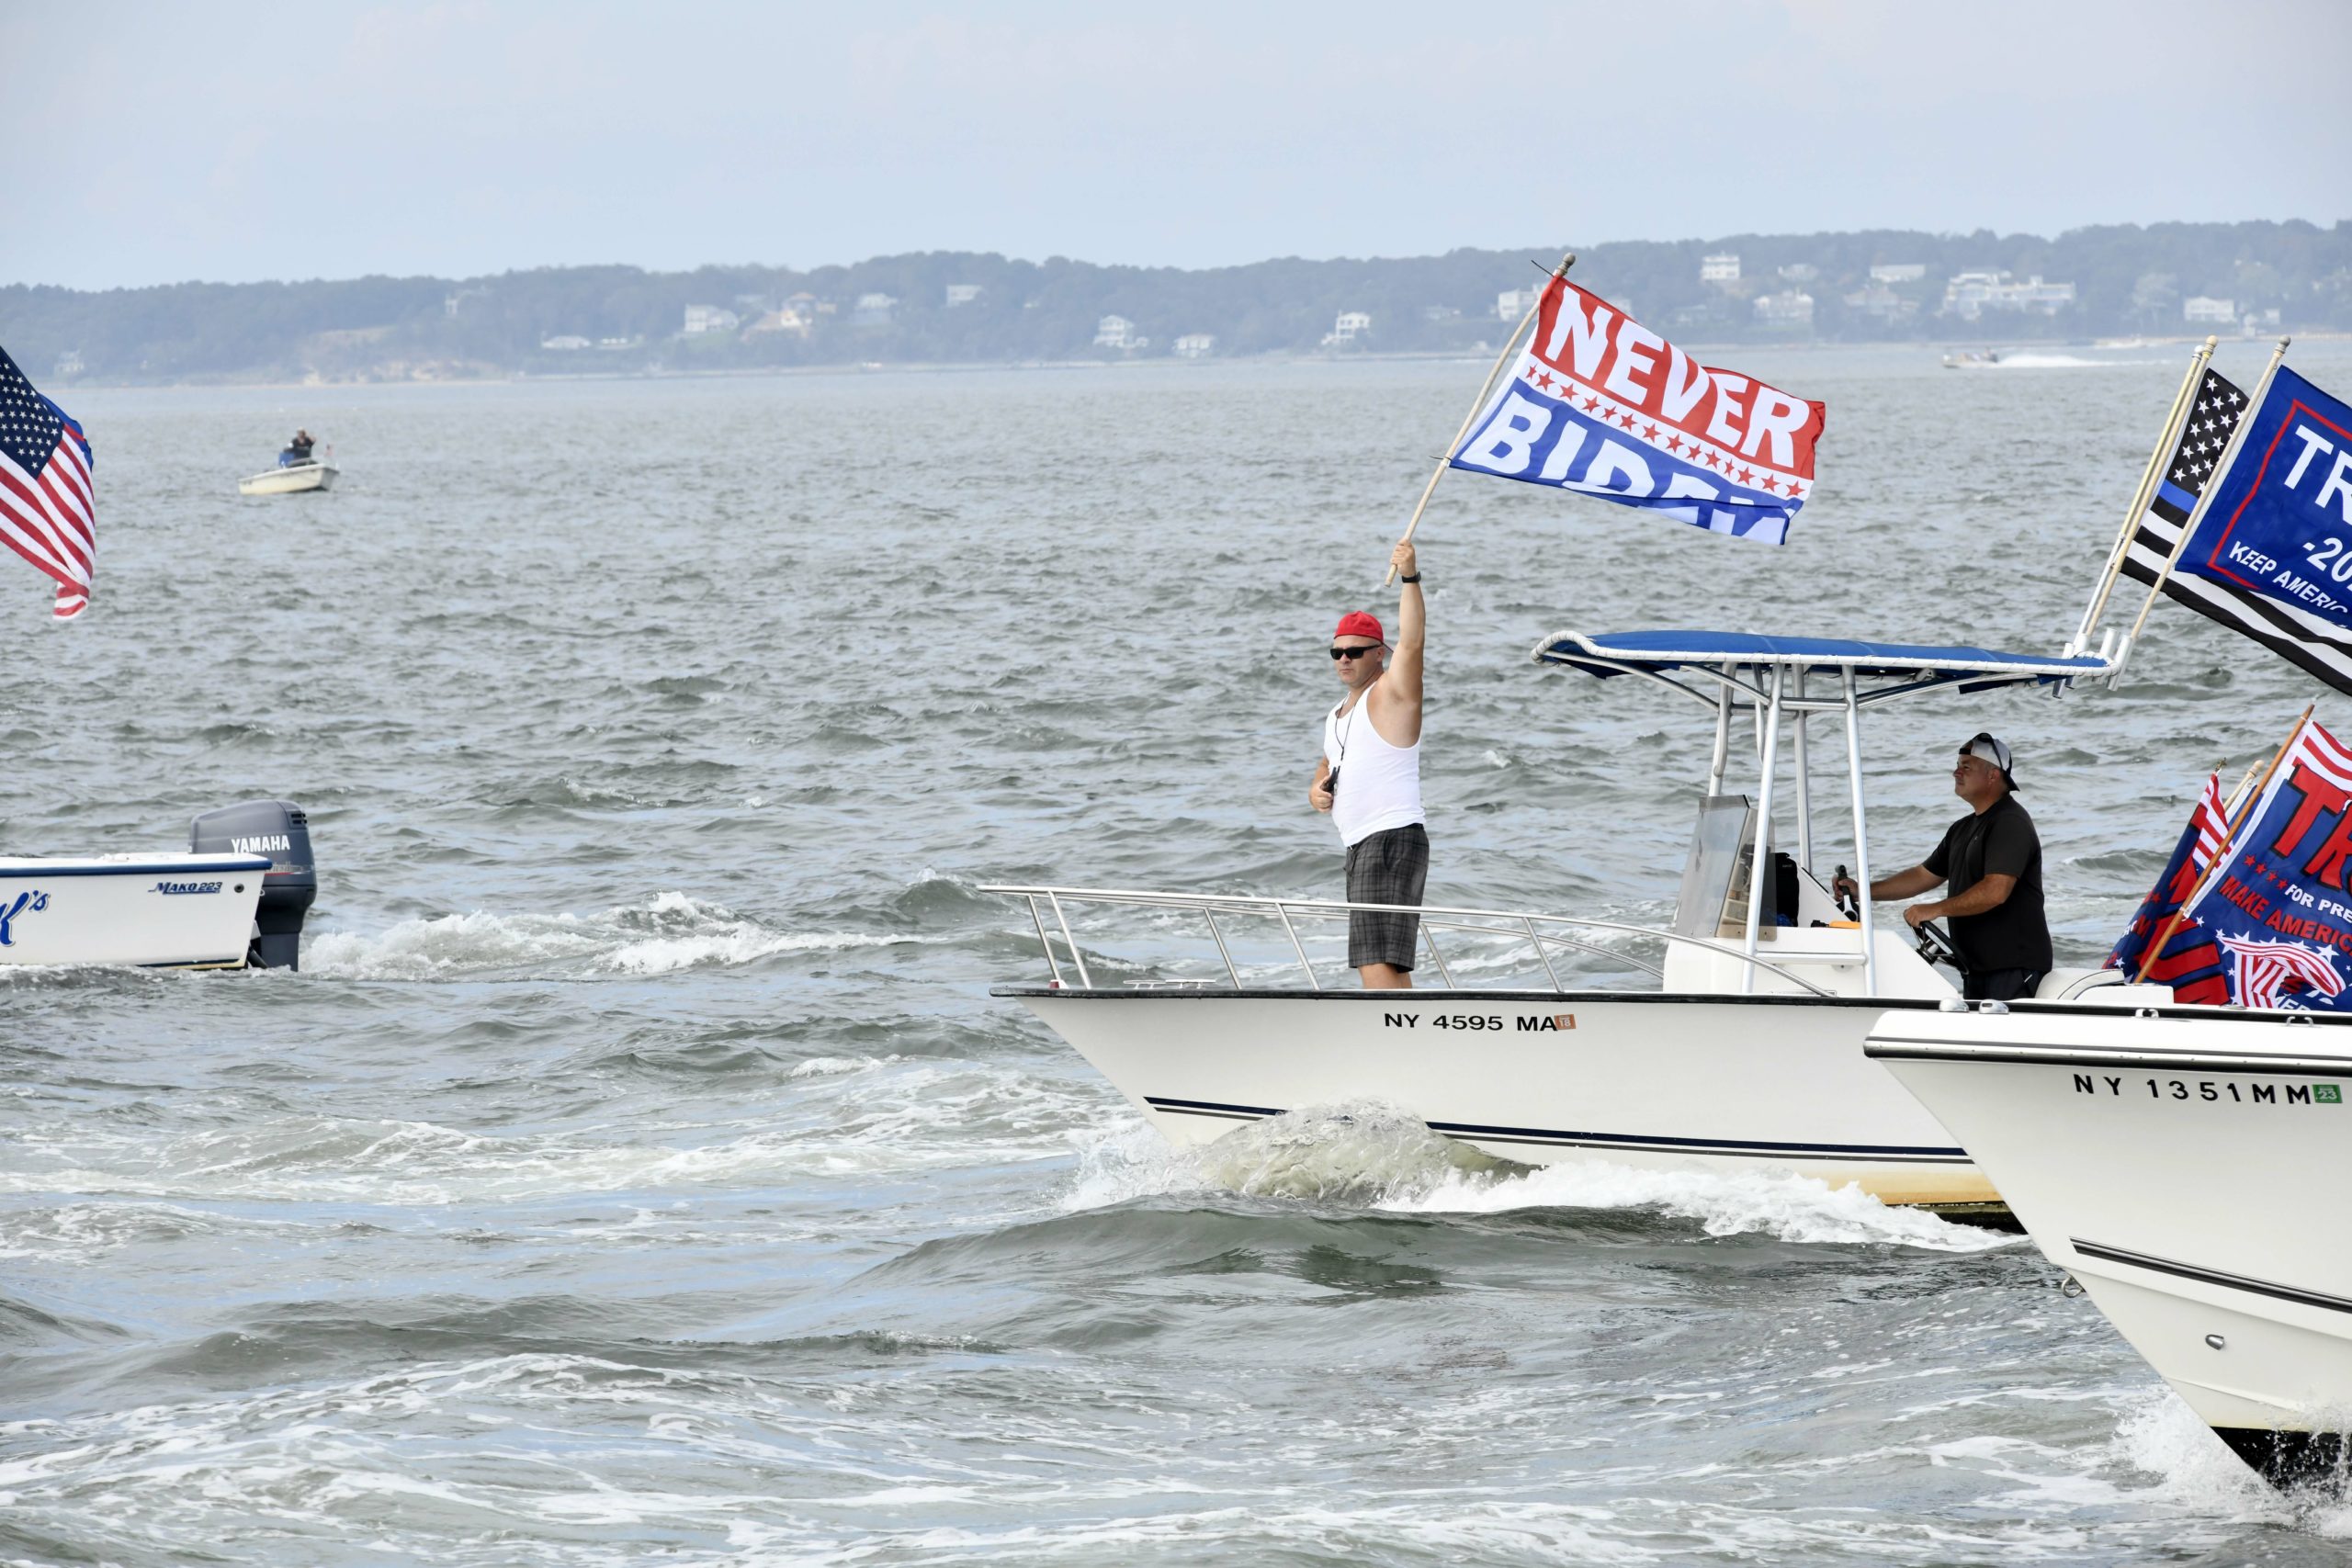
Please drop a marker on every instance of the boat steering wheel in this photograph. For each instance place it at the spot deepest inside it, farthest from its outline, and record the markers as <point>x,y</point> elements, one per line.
<point>1934,942</point>
<point>1935,945</point>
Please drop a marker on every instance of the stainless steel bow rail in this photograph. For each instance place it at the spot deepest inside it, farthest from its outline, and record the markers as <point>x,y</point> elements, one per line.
<point>1508,923</point>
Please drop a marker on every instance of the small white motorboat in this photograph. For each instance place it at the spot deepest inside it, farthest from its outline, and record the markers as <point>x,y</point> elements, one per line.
<point>185,911</point>
<point>2187,1167</point>
<point>235,898</point>
<point>1973,359</point>
<point>1742,1051</point>
<point>290,479</point>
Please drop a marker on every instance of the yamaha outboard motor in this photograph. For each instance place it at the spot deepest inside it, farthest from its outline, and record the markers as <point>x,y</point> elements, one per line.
<point>279,830</point>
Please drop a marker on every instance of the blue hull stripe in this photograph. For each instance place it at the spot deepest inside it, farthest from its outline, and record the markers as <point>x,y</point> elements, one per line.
<point>138,868</point>
<point>1545,1135</point>
<point>2211,1276</point>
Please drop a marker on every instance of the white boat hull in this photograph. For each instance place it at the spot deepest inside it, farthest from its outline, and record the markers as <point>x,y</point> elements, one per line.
<point>2189,1169</point>
<point>1771,1082</point>
<point>170,910</point>
<point>289,480</point>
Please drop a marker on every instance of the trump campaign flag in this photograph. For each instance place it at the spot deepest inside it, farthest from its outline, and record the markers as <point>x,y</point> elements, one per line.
<point>2191,963</point>
<point>1602,405</point>
<point>2271,549</point>
<point>2278,906</point>
<point>46,513</point>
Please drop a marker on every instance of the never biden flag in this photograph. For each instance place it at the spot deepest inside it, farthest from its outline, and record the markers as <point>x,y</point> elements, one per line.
<point>1600,404</point>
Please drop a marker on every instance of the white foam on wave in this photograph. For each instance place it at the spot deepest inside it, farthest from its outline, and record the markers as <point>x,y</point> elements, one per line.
<point>877,1117</point>
<point>833,1067</point>
<point>1438,1524</point>
<point>1356,1152</point>
<point>2160,1434</point>
<point>1382,1157</point>
<point>668,933</point>
<point>309,1458</point>
<point>81,1231</point>
<point>1781,1204</point>
<point>408,1164</point>
<point>429,949</point>
<point>433,1459</point>
<point>742,943</point>
<point>2060,362</point>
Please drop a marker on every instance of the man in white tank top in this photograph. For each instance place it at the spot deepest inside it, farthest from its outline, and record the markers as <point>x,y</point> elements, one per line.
<point>1369,779</point>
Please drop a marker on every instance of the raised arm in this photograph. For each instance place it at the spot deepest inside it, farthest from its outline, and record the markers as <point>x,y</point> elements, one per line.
<point>1397,697</point>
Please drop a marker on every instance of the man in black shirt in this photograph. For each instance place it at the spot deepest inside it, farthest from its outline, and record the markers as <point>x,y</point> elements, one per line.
<point>1992,857</point>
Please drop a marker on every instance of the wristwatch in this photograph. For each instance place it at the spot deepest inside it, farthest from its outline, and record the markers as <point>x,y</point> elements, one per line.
<point>1414,578</point>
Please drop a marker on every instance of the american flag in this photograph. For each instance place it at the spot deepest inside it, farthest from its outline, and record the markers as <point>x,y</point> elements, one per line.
<point>2271,973</point>
<point>2189,963</point>
<point>47,513</point>
<point>2317,646</point>
<point>2211,419</point>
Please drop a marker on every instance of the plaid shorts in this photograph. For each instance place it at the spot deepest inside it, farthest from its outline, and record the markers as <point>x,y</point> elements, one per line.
<point>1387,867</point>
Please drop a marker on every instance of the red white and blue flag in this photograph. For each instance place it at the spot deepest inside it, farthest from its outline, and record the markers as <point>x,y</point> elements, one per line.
<point>2279,908</point>
<point>2191,963</point>
<point>1600,404</point>
<point>47,509</point>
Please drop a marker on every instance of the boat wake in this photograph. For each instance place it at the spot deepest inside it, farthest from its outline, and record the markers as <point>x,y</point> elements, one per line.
<point>1362,1153</point>
<point>1785,1206</point>
<point>2160,1434</point>
<point>671,931</point>
<point>2061,361</point>
<point>1374,1155</point>
<point>853,1121</point>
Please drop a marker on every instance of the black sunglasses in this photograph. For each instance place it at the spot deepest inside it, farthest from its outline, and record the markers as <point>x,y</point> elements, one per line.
<point>1355,652</point>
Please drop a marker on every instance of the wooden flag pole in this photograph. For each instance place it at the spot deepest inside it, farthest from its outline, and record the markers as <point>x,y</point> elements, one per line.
<point>2238,794</point>
<point>2229,840</point>
<point>2212,485</point>
<point>1510,346</point>
<point>2182,401</point>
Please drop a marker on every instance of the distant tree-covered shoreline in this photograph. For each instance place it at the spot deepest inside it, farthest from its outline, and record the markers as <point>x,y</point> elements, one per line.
<point>952,307</point>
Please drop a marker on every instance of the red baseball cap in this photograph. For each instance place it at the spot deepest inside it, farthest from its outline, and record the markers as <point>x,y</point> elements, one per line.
<point>1356,622</point>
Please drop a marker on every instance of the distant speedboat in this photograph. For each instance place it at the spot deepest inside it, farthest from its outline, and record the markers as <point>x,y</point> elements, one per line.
<point>289,478</point>
<point>1971,359</point>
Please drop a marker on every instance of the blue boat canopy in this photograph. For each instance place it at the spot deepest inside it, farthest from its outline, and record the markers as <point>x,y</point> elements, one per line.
<point>1911,667</point>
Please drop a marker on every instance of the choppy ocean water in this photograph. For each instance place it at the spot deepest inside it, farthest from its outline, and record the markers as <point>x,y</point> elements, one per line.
<point>640,1171</point>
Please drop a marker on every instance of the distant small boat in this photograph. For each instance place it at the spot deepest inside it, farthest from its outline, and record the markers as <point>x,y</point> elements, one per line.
<point>1971,359</point>
<point>311,473</point>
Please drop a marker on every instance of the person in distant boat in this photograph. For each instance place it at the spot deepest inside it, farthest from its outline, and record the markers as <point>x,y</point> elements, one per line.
<point>1992,858</point>
<point>299,449</point>
<point>1369,779</point>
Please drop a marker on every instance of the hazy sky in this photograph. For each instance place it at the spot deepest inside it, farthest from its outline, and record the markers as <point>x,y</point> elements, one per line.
<point>236,142</point>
